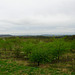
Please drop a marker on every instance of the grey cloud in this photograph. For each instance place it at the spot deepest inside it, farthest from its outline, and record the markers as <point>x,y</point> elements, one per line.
<point>37,16</point>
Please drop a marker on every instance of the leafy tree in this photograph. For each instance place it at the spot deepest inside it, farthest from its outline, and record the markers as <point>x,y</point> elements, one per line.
<point>27,47</point>
<point>40,54</point>
<point>59,47</point>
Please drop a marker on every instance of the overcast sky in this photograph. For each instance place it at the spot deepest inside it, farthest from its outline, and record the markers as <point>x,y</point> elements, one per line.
<point>37,17</point>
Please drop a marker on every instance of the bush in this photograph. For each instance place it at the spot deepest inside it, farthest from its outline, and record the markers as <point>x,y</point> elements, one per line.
<point>73,46</point>
<point>27,48</point>
<point>59,47</point>
<point>40,54</point>
<point>17,52</point>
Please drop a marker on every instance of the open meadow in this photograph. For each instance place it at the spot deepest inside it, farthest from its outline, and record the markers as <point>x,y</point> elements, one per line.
<point>37,55</point>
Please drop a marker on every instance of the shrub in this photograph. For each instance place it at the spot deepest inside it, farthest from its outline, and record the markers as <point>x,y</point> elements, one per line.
<point>17,52</point>
<point>27,48</point>
<point>40,54</point>
<point>59,47</point>
<point>73,46</point>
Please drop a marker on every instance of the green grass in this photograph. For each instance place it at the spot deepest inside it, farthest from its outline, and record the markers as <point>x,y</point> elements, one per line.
<point>10,67</point>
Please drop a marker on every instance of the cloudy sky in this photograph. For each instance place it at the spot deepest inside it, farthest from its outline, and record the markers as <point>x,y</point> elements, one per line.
<point>37,17</point>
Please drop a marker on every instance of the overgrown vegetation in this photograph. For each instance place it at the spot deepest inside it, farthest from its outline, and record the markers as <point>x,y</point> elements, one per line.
<point>38,51</point>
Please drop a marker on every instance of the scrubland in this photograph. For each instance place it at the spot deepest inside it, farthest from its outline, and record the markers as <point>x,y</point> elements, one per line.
<point>37,55</point>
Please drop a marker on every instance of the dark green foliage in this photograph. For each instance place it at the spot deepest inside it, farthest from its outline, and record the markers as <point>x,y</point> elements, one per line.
<point>17,52</point>
<point>27,47</point>
<point>73,46</point>
<point>59,46</point>
<point>40,53</point>
<point>38,50</point>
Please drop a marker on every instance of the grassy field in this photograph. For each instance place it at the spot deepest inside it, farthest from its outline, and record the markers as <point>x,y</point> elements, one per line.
<point>37,56</point>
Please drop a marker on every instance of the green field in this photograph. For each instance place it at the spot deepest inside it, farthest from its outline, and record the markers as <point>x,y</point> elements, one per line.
<point>37,55</point>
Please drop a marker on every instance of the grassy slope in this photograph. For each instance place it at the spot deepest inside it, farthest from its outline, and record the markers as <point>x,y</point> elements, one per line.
<point>21,67</point>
